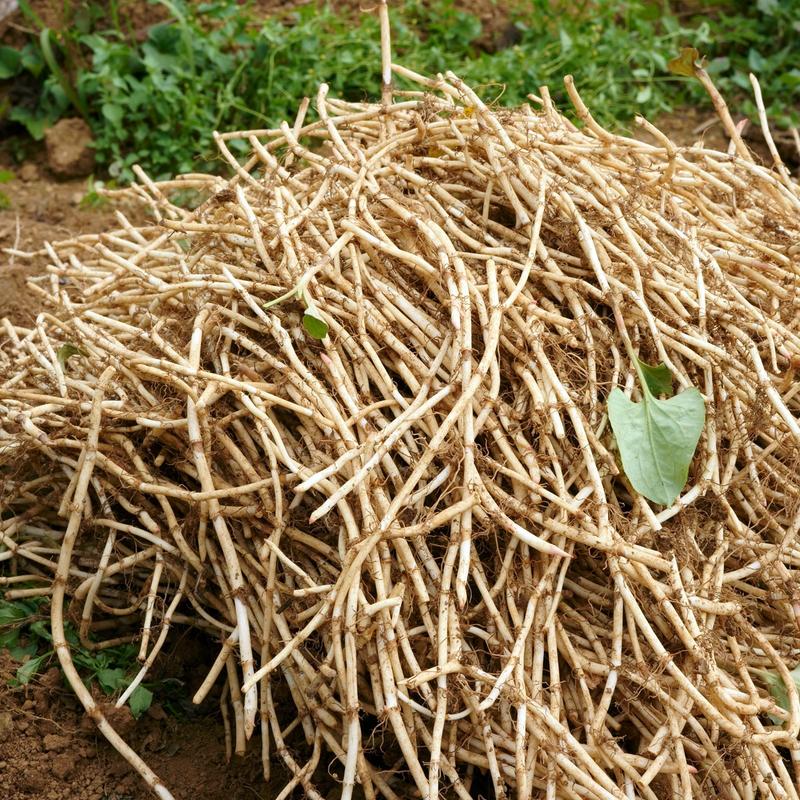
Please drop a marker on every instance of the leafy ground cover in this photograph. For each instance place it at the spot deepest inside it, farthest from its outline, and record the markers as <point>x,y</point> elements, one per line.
<point>154,99</point>
<point>25,633</point>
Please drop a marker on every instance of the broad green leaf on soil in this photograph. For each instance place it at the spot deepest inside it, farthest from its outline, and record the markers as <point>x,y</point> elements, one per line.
<point>684,62</point>
<point>11,613</point>
<point>65,352</point>
<point>34,122</point>
<point>10,61</point>
<point>777,688</point>
<point>110,680</point>
<point>31,59</point>
<point>139,701</point>
<point>314,326</point>
<point>30,668</point>
<point>657,439</point>
<point>659,379</point>
<point>6,176</point>
<point>24,651</point>
<point>755,60</point>
<point>41,628</point>
<point>113,112</point>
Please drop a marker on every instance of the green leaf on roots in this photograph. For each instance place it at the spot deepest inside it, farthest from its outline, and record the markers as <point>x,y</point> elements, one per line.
<point>659,379</point>
<point>30,668</point>
<point>9,639</point>
<point>41,628</point>
<point>110,680</point>
<point>11,613</point>
<point>65,352</point>
<point>685,62</point>
<point>139,701</point>
<point>777,688</point>
<point>314,325</point>
<point>657,438</point>
<point>21,652</point>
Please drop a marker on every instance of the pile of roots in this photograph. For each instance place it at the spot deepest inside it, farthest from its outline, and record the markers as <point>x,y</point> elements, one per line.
<point>392,498</point>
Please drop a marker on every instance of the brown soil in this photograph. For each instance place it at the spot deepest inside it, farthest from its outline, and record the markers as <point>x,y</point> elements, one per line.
<point>39,210</point>
<point>50,750</point>
<point>688,126</point>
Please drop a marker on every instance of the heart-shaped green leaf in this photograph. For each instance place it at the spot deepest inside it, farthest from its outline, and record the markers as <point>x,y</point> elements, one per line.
<point>658,379</point>
<point>657,438</point>
<point>314,325</point>
<point>65,352</point>
<point>777,688</point>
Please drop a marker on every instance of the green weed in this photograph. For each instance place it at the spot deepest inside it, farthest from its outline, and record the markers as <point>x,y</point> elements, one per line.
<point>93,198</point>
<point>25,633</point>
<point>5,177</point>
<point>213,66</point>
<point>761,37</point>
